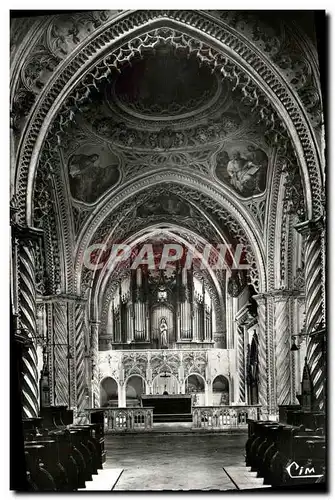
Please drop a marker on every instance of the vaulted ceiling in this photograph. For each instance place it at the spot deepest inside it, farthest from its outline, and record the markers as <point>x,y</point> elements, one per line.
<point>154,130</point>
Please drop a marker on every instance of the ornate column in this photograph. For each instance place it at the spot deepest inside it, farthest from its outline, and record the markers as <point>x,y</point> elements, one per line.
<point>282,333</point>
<point>25,240</point>
<point>27,320</point>
<point>148,374</point>
<point>263,367</point>
<point>241,363</point>
<point>121,386</point>
<point>60,352</point>
<point>80,365</point>
<point>313,233</point>
<point>208,393</point>
<point>122,394</point>
<point>94,352</point>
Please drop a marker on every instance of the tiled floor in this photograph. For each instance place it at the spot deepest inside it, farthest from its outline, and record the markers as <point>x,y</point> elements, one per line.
<point>175,461</point>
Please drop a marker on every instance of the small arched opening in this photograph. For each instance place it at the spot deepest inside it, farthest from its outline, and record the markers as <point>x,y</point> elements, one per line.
<point>108,392</point>
<point>135,387</point>
<point>165,383</point>
<point>195,385</point>
<point>220,391</point>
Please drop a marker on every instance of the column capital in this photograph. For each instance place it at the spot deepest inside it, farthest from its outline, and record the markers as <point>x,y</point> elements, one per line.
<point>63,297</point>
<point>310,226</point>
<point>26,233</point>
<point>261,298</point>
<point>277,295</point>
<point>243,316</point>
<point>284,294</point>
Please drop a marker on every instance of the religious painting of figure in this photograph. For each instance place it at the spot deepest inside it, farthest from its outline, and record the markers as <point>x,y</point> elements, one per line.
<point>244,169</point>
<point>91,175</point>
<point>164,205</point>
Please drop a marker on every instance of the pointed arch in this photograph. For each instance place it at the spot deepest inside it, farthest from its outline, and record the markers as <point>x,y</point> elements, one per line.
<point>215,42</point>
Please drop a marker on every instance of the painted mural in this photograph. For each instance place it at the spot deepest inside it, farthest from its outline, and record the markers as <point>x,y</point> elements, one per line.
<point>164,205</point>
<point>244,168</point>
<point>92,171</point>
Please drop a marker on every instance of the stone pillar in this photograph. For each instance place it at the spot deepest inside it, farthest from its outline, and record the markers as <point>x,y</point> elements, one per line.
<point>94,354</point>
<point>313,233</point>
<point>208,393</point>
<point>282,333</point>
<point>241,358</point>
<point>27,324</point>
<point>122,394</point>
<point>148,375</point>
<point>263,383</point>
<point>60,351</point>
<point>80,365</point>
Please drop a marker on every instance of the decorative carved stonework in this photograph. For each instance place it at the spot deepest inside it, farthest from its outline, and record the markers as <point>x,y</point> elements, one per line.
<point>220,33</point>
<point>108,148</point>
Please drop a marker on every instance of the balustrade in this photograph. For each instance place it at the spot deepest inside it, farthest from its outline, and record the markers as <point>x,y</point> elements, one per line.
<point>222,417</point>
<point>127,419</point>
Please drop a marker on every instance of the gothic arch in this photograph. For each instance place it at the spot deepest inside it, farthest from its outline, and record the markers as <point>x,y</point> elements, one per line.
<point>103,379</point>
<point>236,218</point>
<point>220,44</point>
<point>226,50</point>
<point>106,275</point>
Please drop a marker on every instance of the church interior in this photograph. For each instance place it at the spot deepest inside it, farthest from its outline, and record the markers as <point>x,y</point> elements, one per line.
<point>168,249</point>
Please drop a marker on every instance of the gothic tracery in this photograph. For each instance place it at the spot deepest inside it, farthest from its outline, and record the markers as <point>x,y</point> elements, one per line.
<point>237,160</point>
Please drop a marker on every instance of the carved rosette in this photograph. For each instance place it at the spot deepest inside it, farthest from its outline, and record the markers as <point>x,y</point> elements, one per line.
<point>314,306</point>
<point>80,355</point>
<point>61,371</point>
<point>282,350</point>
<point>262,354</point>
<point>94,345</point>
<point>27,318</point>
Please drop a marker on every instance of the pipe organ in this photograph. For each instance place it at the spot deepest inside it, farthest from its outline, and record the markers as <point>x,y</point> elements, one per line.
<point>146,298</point>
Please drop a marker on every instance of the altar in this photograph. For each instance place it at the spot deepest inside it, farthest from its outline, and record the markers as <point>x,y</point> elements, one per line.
<point>169,408</point>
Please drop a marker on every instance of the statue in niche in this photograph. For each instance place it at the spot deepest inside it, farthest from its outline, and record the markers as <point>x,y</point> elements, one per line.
<point>247,173</point>
<point>163,328</point>
<point>90,177</point>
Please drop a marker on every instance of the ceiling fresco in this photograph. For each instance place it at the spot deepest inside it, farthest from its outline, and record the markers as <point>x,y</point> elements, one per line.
<point>244,167</point>
<point>157,113</point>
<point>92,170</point>
<point>164,205</point>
